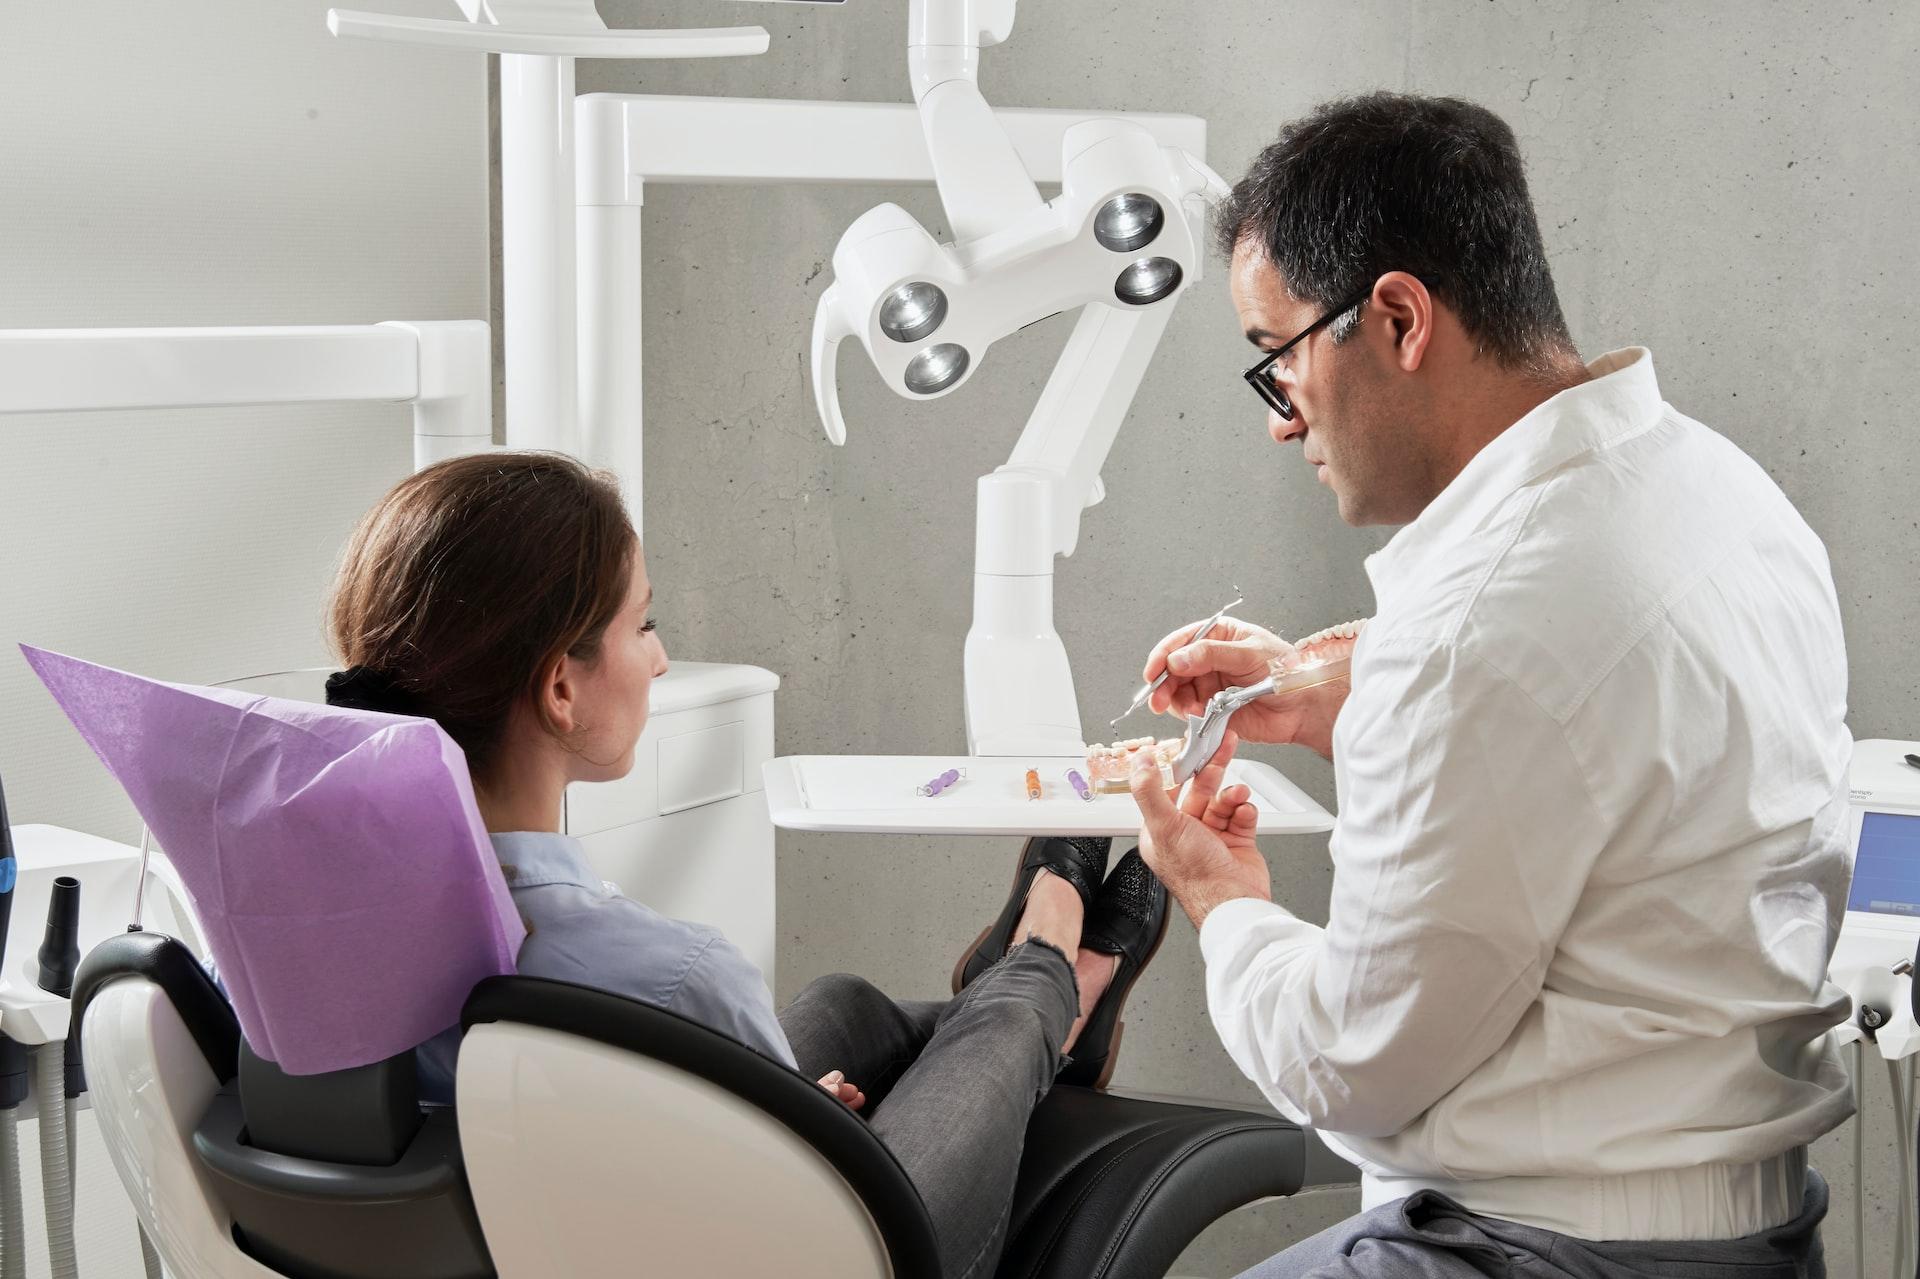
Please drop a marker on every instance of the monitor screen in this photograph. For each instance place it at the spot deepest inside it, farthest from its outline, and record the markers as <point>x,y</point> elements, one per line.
<point>1886,866</point>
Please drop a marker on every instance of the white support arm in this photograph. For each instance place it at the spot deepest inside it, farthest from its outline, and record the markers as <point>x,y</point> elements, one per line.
<point>442,368</point>
<point>1020,697</point>
<point>982,183</point>
<point>1073,426</point>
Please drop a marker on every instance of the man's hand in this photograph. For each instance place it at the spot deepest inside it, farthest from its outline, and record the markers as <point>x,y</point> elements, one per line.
<point>835,1082</point>
<point>1201,846</point>
<point>1234,655</point>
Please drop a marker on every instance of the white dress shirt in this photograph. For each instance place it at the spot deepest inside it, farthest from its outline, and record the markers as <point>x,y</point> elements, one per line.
<point>1591,855</point>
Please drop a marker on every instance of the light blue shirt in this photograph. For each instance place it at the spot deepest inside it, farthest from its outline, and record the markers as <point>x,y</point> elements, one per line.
<point>580,929</point>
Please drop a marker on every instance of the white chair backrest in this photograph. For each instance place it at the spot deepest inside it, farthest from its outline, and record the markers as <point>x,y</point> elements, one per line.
<point>589,1161</point>
<point>150,1086</point>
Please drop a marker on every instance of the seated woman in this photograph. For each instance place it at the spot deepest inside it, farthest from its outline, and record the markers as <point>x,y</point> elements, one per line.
<point>505,596</point>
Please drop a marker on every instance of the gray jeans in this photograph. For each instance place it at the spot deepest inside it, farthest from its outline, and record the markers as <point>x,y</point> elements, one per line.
<point>1429,1236</point>
<point>950,1084</point>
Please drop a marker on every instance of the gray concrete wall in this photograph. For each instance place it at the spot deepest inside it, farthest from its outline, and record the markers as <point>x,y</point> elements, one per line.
<point>1731,184</point>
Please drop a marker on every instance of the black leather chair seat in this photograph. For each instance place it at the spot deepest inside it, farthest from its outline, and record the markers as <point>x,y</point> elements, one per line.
<point>1115,1187</point>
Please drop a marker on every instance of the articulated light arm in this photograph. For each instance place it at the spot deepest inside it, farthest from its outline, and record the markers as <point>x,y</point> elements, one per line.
<point>982,182</point>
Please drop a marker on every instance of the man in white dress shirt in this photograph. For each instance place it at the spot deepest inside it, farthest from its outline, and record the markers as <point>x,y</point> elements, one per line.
<point>1591,860</point>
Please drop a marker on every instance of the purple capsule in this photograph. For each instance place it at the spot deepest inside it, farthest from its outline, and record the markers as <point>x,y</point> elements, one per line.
<point>1079,784</point>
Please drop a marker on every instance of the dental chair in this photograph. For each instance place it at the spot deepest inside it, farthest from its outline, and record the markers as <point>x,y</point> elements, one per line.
<point>595,1136</point>
<point>592,1135</point>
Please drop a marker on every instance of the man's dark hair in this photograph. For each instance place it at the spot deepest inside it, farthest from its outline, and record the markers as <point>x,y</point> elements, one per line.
<point>1386,182</point>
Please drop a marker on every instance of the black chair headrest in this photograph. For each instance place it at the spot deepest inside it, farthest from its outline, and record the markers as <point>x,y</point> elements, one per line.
<point>366,1115</point>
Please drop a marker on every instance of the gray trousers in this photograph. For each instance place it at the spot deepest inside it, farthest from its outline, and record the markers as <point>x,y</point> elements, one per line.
<point>950,1084</point>
<point>1429,1236</point>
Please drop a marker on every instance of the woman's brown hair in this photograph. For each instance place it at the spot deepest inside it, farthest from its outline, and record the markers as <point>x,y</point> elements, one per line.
<point>467,580</point>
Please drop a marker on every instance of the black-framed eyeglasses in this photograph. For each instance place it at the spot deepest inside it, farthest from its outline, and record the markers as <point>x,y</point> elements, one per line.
<point>1271,392</point>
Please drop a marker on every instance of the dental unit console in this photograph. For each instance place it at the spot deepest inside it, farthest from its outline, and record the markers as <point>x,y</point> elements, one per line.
<point>1875,956</point>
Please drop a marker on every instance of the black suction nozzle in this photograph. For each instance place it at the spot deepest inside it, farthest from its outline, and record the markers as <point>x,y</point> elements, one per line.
<point>60,950</point>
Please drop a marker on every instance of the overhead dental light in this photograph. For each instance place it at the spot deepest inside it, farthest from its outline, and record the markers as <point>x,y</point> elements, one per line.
<point>1122,233</point>
<point>1120,243</point>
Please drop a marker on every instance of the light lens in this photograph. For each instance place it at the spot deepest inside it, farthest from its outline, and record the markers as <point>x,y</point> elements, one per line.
<point>1147,280</point>
<point>1128,222</point>
<point>913,311</point>
<point>936,368</point>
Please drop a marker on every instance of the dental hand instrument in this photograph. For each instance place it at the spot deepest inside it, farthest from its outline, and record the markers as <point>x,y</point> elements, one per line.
<point>1146,690</point>
<point>1079,784</point>
<point>1206,731</point>
<point>1033,783</point>
<point>939,783</point>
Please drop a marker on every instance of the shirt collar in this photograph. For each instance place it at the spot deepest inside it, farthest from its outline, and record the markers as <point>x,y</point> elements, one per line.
<point>1621,400</point>
<point>543,857</point>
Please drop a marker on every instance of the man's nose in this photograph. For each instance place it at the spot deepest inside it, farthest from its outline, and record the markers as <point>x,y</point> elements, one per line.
<point>1281,429</point>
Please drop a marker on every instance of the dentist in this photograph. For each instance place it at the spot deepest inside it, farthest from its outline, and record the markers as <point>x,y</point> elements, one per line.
<point>1569,1011</point>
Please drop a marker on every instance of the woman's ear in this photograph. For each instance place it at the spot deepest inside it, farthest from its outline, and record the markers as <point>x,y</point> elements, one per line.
<point>1407,308</point>
<point>556,696</point>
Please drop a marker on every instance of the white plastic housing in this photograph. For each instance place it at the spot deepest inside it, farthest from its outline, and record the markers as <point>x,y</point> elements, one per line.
<point>594,1163</point>
<point>150,1086</point>
<point>108,873</point>
<point>1045,262</point>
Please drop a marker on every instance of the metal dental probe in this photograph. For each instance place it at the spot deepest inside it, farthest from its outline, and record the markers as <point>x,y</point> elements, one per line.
<point>1146,690</point>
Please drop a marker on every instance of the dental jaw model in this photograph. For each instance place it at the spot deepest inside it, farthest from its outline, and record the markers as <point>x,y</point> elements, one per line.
<point>1318,659</point>
<point>1110,767</point>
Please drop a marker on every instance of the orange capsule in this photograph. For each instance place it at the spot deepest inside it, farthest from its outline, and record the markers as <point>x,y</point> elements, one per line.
<point>1033,783</point>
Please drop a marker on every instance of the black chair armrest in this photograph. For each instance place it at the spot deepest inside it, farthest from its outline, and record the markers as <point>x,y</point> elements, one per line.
<point>172,967</point>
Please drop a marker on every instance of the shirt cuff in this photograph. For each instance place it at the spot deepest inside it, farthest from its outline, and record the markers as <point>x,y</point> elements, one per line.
<point>1229,922</point>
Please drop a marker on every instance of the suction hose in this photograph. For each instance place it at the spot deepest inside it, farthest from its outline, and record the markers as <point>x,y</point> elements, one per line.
<point>148,1257</point>
<point>59,957</point>
<point>13,1214</point>
<point>56,1185</point>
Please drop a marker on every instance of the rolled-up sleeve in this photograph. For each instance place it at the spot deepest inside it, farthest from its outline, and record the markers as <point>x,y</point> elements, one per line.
<point>1464,840</point>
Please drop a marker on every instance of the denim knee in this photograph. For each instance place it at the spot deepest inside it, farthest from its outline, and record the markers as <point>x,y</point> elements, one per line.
<point>841,990</point>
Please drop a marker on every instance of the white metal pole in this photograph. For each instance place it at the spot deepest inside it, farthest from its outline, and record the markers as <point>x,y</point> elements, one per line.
<point>610,378</point>
<point>537,249</point>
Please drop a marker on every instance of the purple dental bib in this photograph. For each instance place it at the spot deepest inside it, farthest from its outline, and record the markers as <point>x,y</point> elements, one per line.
<point>344,883</point>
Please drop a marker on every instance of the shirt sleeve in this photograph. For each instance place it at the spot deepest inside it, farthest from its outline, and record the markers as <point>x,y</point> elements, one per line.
<point>724,990</point>
<point>1464,841</point>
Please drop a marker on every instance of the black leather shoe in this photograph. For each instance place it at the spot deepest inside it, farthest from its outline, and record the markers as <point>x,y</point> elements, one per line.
<point>1128,919</point>
<point>1082,862</point>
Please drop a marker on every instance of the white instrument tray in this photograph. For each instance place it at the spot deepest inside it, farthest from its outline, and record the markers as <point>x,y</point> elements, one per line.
<point>876,794</point>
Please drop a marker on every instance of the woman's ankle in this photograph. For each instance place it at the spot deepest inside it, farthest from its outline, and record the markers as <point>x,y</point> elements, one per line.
<point>1053,913</point>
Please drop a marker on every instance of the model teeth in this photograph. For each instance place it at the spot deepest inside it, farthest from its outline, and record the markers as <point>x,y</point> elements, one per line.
<point>1109,767</point>
<point>1344,631</point>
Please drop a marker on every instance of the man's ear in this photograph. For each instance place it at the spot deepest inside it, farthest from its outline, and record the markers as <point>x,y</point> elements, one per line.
<point>1406,308</point>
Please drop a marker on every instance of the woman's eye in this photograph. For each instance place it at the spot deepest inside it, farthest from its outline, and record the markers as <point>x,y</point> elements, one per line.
<point>648,628</point>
